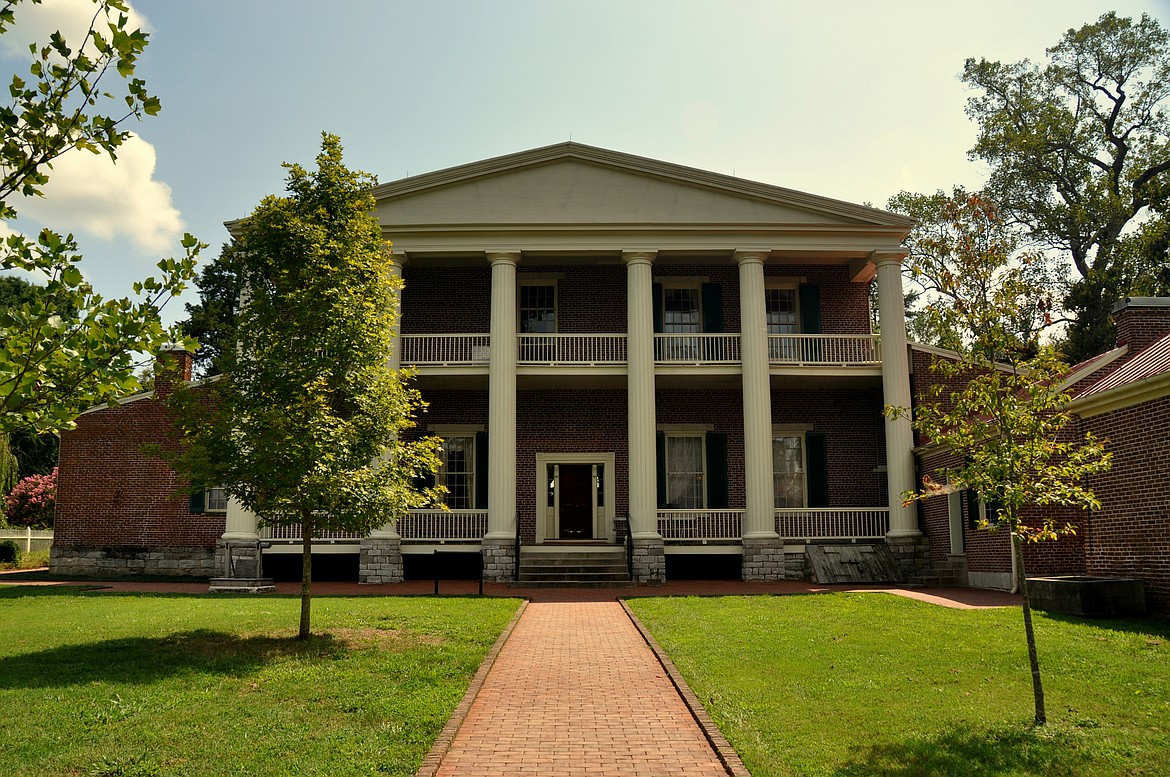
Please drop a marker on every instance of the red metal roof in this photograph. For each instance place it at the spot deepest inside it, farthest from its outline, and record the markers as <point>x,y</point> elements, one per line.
<point>1151,361</point>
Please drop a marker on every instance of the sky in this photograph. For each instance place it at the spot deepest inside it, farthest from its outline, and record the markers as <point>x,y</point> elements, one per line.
<point>851,99</point>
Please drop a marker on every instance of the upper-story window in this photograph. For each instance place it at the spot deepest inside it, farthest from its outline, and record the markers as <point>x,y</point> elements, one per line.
<point>681,313</point>
<point>780,308</point>
<point>538,308</point>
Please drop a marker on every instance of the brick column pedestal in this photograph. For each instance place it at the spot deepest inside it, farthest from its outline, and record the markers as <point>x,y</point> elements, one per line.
<point>763,558</point>
<point>380,560</point>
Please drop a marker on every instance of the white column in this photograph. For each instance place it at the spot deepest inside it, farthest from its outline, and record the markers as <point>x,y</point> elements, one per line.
<point>641,426</point>
<point>389,531</point>
<point>239,524</point>
<point>759,521</point>
<point>896,393</point>
<point>502,398</point>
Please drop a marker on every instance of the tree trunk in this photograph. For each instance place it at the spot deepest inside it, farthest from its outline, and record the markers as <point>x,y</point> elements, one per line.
<point>1037,685</point>
<point>306,572</point>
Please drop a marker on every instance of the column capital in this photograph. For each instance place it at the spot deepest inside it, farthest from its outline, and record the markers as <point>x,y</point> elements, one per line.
<point>639,257</point>
<point>751,255</point>
<point>885,258</point>
<point>396,258</point>
<point>509,256</point>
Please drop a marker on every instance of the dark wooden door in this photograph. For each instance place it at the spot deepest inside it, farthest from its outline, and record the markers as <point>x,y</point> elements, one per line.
<point>576,507</point>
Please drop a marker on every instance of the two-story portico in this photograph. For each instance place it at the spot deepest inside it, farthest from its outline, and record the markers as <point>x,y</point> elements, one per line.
<point>613,345</point>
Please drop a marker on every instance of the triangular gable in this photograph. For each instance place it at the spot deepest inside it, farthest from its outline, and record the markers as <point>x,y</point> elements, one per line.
<point>572,183</point>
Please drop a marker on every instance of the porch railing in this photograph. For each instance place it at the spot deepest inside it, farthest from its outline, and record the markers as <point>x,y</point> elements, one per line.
<point>699,524</point>
<point>292,532</point>
<point>696,349</point>
<point>813,523</point>
<point>572,349</point>
<point>823,349</point>
<point>443,525</point>
<point>443,350</point>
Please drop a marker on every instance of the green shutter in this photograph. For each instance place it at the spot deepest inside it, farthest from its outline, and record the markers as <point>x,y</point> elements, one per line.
<point>712,294</point>
<point>660,446</point>
<point>198,501</point>
<point>817,457</point>
<point>717,470</point>
<point>656,290</point>
<point>481,470</point>
<point>810,309</point>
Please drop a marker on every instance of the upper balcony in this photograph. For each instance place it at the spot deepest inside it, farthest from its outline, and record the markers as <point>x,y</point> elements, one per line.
<point>609,350</point>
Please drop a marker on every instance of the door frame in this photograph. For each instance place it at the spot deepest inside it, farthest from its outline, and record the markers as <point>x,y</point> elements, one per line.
<point>548,516</point>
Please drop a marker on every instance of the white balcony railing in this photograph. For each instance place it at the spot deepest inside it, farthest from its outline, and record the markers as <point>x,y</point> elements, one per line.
<point>699,524</point>
<point>696,349</point>
<point>292,533</point>
<point>823,349</point>
<point>572,349</point>
<point>443,350</point>
<point>813,523</point>
<point>443,525</point>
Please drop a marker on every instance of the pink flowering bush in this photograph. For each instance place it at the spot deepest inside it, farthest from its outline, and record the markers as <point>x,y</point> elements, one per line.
<point>32,501</point>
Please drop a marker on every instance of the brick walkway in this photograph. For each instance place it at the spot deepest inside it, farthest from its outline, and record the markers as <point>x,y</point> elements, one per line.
<point>576,691</point>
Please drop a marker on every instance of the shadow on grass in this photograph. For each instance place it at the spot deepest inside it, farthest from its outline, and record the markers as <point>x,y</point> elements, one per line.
<point>973,752</point>
<point>143,660</point>
<point>1151,625</point>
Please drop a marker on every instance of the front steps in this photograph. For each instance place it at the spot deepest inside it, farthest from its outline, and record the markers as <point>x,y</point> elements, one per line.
<point>573,566</point>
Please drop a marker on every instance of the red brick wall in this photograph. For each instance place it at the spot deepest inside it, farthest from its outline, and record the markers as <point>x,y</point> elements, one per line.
<point>110,493</point>
<point>446,300</point>
<point>844,304</point>
<point>1130,535</point>
<point>1140,326</point>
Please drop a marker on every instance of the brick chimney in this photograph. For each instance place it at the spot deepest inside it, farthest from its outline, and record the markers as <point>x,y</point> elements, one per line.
<point>1141,320</point>
<point>173,366</point>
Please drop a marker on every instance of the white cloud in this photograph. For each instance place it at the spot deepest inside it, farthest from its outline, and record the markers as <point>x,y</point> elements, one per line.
<point>35,23</point>
<point>88,193</point>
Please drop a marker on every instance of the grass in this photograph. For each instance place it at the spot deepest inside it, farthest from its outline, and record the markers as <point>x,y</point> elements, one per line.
<point>135,685</point>
<point>874,684</point>
<point>29,560</point>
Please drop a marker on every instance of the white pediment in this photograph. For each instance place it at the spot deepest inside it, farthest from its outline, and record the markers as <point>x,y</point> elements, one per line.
<point>572,184</point>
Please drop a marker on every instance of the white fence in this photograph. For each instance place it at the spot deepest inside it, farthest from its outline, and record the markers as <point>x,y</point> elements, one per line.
<point>696,349</point>
<point>28,538</point>
<point>812,523</point>
<point>572,349</point>
<point>292,533</point>
<point>443,525</point>
<point>844,350</point>
<point>442,350</point>
<point>699,524</point>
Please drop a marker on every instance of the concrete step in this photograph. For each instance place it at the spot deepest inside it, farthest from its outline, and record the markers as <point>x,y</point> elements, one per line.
<point>569,577</point>
<point>573,584</point>
<point>573,567</point>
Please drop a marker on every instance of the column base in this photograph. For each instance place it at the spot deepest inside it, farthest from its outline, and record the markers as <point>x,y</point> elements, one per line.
<point>912,554</point>
<point>237,559</point>
<point>649,560</point>
<point>763,558</point>
<point>499,559</point>
<point>380,560</point>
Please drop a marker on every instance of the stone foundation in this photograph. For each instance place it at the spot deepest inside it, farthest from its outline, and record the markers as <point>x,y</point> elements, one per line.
<point>380,560</point>
<point>499,560</point>
<point>763,558</point>
<point>911,554</point>
<point>796,563</point>
<point>649,561</point>
<point>116,561</point>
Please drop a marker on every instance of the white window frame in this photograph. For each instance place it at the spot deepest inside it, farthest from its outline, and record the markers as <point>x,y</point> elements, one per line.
<point>207,500</point>
<point>702,473</point>
<point>800,433</point>
<point>556,308</point>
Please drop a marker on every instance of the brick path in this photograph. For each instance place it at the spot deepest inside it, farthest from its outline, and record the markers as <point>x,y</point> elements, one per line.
<point>576,691</point>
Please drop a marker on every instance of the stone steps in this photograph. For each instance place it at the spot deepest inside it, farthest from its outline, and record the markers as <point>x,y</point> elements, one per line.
<point>573,567</point>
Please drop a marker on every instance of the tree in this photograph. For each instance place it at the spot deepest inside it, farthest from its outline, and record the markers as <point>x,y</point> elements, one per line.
<point>1077,150</point>
<point>213,321</point>
<point>67,348</point>
<point>953,232</point>
<point>1006,423</point>
<point>306,426</point>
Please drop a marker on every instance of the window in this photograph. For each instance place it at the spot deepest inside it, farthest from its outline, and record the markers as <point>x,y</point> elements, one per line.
<point>458,471</point>
<point>215,500</point>
<point>685,467</point>
<point>781,314</point>
<point>788,470</point>
<point>680,311</point>
<point>538,308</point>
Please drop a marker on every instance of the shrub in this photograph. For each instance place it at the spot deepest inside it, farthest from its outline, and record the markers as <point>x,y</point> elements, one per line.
<point>8,552</point>
<point>32,501</point>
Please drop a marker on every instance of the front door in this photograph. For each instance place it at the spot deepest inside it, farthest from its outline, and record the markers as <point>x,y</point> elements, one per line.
<point>575,483</point>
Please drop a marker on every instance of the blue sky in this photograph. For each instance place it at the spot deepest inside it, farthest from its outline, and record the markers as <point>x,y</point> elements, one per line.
<point>852,99</point>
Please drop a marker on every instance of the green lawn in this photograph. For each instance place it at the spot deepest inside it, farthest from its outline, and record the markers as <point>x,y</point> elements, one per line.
<point>136,685</point>
<point>875,684</point>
